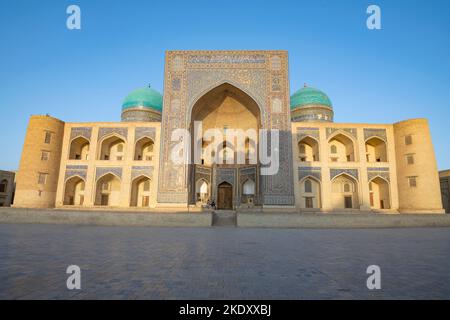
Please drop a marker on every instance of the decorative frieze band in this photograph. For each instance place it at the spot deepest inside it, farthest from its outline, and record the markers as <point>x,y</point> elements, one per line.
<point>351,131</point>
<point>203,173</point>
<point>315,172</point>
<point>84,132</point>
<point>351,172</point>
<point>226,175</point>
<point>106,131</point>
<point>137,171</point>
<point>378,172</point>
<point>76,170</point>
<point>379,133</point>
<point>304,132</point>
<point>145,132</point>
<point>101,171</point>
<point>226,59</point>
<point>247,173</point>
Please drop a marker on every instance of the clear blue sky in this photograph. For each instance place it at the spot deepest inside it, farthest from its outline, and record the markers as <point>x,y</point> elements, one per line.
<point>399,72</point>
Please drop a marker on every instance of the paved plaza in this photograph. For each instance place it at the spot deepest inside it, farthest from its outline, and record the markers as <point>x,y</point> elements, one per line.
<point>222,263</point>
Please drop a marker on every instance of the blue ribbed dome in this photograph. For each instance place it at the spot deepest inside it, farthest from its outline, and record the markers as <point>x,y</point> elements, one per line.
<point>309,96</point>
<point>143,98</point>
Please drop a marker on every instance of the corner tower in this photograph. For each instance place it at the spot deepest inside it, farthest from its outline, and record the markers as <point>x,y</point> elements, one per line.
<point>417,174</point>
<point>37,179</point>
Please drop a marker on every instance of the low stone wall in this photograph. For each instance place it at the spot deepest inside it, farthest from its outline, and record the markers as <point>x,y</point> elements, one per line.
<point>340,220</point>
<point>204,219</point>
<point>102,218</point>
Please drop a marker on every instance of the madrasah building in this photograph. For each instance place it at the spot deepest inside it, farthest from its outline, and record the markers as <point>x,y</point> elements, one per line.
<point>323,165</point>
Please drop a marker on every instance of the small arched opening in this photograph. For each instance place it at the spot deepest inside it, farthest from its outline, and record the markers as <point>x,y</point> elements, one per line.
<point>248,192</point>
<point>74,192</point>
<point>310,193</point>
<point>341,148</point>
<point>140,192</point>
<point>144,149</point>
<point>79,149</point>
<point>308,150</point>
<point>379,194</point>
<point>108,189</point>
<point>202,191</point>
<point>112,148</point>
<point>376,150</point>
<point>344,191</point>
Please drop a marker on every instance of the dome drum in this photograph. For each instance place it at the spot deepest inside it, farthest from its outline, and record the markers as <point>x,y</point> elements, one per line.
<point>140,114</point>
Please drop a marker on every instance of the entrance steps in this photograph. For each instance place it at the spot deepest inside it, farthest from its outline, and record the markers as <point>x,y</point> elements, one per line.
<point>224,218</point>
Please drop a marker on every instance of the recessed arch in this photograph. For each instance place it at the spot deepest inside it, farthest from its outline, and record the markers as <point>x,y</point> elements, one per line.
<point>141,191</point>
<point>108,190</point>
<point>345,147</point>
<point>225,108</point>
<point>112,147</point>
<point>308,149</point>
<point>144,149</point>
<point>310,192</point>
<point>202,191</point>
<point>248,192</point>
<point>379,192</point>
<point>74,191</point>
<point>376,150</point>
<point>219,86</point>
<point>79,148</point>
<point>344,192</point>
<point>249,187</point>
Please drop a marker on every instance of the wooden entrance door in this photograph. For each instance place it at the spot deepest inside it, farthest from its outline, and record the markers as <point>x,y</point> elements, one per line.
<point>145,201</point>
<point>225,196</point>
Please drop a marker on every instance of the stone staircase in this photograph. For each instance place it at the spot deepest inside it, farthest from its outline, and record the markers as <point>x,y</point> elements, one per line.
<point>224,218</point>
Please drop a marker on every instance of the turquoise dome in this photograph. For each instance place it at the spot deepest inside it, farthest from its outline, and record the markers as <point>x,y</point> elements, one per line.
<point>307,96</point>
<point>143,97</point>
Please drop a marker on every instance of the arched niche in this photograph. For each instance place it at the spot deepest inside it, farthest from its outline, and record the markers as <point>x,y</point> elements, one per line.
<point>74,191</point>
<point>144,149</point>
<point>112,148</point>
<point>308,150</point>
<point>108,191</point>
<point>310,193</point>
<point>79,149</point>
<point>341,148</point>
<point>140,192</point>
<point>379,193</point>
<point>344,192</point>
<point>376,150</point>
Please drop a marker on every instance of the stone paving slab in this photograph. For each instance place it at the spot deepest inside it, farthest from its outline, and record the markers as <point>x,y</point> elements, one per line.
<point>222,263</point>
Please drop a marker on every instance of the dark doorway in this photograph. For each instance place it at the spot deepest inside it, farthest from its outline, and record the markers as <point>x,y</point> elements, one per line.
<point>225,196</point>
<point>348,202</point>
<point>104,200</point>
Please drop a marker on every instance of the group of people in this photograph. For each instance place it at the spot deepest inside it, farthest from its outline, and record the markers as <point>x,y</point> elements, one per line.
<point>211,204</point>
